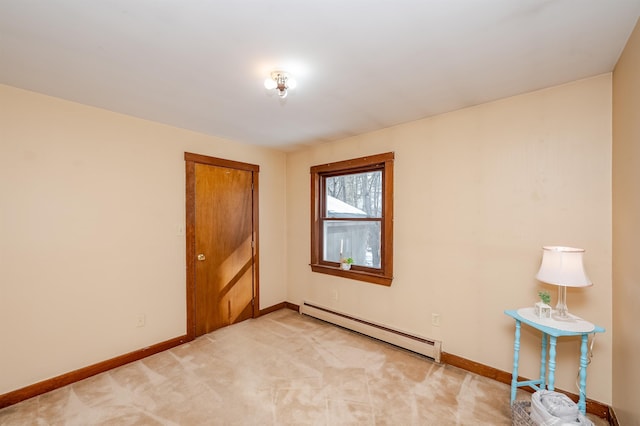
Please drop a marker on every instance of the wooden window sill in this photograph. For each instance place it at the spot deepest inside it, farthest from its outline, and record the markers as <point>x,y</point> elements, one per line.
<point>352,274</point>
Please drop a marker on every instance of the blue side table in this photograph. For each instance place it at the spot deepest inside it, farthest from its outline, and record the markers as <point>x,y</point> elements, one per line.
<point>551,329</point>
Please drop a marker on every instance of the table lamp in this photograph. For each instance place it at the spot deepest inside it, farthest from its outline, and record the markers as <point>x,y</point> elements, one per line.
<point>562,266</point>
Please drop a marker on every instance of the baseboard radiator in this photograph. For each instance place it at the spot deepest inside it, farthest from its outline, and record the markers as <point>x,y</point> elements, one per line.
<point>421,345</point>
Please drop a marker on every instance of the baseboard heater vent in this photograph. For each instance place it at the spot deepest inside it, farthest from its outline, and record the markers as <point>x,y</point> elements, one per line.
<point>427,347</point>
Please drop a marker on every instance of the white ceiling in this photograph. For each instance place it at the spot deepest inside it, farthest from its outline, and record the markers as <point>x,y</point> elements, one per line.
<point>361,65</point>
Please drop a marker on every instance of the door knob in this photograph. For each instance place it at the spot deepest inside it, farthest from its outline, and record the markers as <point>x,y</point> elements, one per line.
<point>201,257</point>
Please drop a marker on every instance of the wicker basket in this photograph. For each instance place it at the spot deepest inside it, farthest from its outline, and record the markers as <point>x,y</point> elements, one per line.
<point>520,411</point>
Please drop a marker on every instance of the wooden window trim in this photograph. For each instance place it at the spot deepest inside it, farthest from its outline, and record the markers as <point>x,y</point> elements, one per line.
<point>385,276</point>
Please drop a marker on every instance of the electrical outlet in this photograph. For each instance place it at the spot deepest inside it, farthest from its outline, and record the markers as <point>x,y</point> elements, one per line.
<point>141,320</point>
<point>435,320</point>
<point>335,295</point>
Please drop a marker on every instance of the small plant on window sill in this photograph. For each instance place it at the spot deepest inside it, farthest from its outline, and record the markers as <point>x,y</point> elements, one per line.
<point>542,308</point>
<point>345,263</point>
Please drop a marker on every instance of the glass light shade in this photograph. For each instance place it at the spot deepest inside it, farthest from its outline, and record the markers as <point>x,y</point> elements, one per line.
<point>270,84</point>
<point>563,266</point>
<point>291,83</point>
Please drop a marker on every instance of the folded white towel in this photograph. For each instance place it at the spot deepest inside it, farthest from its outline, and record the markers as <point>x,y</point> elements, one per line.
<point>550,408</point>
<point>559,405</point>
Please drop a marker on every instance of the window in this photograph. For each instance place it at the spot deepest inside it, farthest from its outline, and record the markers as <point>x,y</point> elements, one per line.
<point>352,216</point>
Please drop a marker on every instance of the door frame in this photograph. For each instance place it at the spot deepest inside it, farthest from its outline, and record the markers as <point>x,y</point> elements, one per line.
<point>190,228</point>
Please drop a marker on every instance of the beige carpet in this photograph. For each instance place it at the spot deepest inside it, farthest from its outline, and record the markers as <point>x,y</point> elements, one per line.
<point>279,369</point>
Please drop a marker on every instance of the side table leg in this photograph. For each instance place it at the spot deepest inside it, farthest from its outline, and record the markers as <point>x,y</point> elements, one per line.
<point>582,406</point>
<point>552,362</point>
<point>543,360</point>
<point>516,358</point>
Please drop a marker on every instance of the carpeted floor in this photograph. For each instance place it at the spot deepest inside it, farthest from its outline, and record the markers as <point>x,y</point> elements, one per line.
<point>279,369</point>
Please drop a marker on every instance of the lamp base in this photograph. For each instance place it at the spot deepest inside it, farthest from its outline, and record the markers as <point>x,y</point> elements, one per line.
<point>561,312</point>
<point>559,316</point>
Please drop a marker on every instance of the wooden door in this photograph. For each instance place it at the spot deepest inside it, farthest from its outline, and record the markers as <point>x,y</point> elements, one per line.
<point>223,244</point>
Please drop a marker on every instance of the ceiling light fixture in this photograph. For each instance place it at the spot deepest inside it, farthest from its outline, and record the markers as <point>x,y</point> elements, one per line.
<point>281,81</point>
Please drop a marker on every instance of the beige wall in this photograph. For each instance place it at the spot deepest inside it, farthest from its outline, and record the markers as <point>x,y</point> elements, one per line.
<point>626,232</point>
<point>478,192</point>
<point>90,206</point>
<point>91,202</point>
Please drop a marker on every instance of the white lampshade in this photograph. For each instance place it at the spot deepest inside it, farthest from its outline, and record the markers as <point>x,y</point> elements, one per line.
<point>563,266</point>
